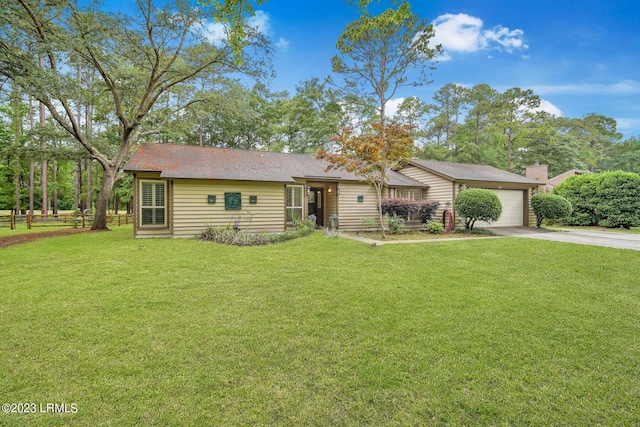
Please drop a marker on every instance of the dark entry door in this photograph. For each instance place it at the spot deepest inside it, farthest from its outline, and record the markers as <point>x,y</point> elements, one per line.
<point>316,205</point>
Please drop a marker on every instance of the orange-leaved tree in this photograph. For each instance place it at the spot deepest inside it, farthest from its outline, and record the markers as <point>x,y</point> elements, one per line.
<point>371,155</point>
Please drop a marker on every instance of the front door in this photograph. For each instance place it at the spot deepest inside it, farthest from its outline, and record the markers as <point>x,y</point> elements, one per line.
<point>316,205</point>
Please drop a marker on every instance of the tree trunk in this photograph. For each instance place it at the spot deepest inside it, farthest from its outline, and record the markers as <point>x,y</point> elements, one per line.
<point>16,182</point>
<point>88,120</point>
<point>43,145</point>
<point>32,164</point>
<point>78,187</point>
<point>17,132</point>
<point>43,180</point>
<point>55,186</point>
<point>102,204</point>
<point>380,216</point>
<point>89,186</point>
<point>32,173</point>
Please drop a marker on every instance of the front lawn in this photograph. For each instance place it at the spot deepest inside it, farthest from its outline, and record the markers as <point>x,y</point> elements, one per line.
<point>319,331</point>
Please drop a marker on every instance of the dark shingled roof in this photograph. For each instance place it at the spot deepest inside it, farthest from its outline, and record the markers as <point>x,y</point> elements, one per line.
<point>193,162</point>
<point>469,172</point>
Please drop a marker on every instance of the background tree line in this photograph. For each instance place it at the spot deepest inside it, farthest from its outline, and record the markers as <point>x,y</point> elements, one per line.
<point>468,125</point>
<point>80,88</point>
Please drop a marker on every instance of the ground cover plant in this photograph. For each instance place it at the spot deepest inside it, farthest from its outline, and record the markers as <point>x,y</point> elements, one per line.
<point>319,331</point>
<point>229,236</point>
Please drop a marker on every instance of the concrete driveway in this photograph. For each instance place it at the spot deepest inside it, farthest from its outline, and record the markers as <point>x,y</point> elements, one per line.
<point>584,237</point>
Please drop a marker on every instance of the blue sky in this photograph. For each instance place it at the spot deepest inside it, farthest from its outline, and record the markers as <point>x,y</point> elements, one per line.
<point>579,56</point>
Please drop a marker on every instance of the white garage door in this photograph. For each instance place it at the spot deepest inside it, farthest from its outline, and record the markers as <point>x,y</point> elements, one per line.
<point>512,207</point>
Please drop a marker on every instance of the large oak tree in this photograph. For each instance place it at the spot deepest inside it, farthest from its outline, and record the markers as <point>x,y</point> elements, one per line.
<point>138,59</point>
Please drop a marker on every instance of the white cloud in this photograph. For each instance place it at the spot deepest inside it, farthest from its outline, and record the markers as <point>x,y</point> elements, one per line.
<point>458,33</point>
<point>282,44</point>
<point>624,87</point>
<point>549,108</point>
<point>628,123</point>
<point>510,40</point>
<point>465,33</point>
<point>392,106</point>
<point>216,33</point>
<point>260,21</point>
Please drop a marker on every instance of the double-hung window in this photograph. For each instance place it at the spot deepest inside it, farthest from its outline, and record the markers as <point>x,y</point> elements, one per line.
<point>153,203</point>
<point>294,198</point>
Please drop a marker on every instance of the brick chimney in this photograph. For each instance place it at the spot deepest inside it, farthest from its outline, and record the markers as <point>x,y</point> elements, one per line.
<point>539,172</point>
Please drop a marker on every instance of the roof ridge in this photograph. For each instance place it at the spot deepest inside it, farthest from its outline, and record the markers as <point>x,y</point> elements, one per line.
<point>209,147</point>
<point>457,163</point>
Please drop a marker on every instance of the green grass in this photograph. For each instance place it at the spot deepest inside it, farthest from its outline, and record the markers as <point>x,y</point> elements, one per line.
<point>320,331</point>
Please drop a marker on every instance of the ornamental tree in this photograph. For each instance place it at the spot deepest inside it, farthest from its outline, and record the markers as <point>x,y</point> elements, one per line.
<point>476,204</point>
<point>550,206</point>
<point>372,155</point>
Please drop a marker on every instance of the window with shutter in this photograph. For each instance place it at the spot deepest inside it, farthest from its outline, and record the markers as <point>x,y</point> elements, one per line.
<point>293,201</point>
<point>153,207</point>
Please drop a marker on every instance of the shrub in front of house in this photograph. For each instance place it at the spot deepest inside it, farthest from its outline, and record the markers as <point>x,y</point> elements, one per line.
<point>580,191</point>
<point>549,206</point>
<point>230,236</point>
<point>368,223</point>
<point>399,206</point>
<point>404,207</point>
<point>427,209</point>
<point>610,199</point>
<point>396,224</point>
<point>476,204</point>
<point>433,227</point>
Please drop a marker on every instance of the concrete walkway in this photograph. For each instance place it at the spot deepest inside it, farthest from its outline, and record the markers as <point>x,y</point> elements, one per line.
<point>583,237</point>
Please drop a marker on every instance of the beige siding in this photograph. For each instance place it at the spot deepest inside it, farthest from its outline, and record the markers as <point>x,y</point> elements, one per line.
<point>331,203</point>
<point>192,212</point>
<point>440,189</point>
<point>532,216</point>
<point>350,211</point>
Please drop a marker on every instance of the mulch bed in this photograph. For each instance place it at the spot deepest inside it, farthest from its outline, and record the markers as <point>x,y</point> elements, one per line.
<point>30,237</point>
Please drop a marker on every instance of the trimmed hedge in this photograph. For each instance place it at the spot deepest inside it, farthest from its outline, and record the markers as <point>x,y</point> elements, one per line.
<point>476,204</point>
<point>610,199</point>
<point>551,206</point>
<point>580,191</point>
